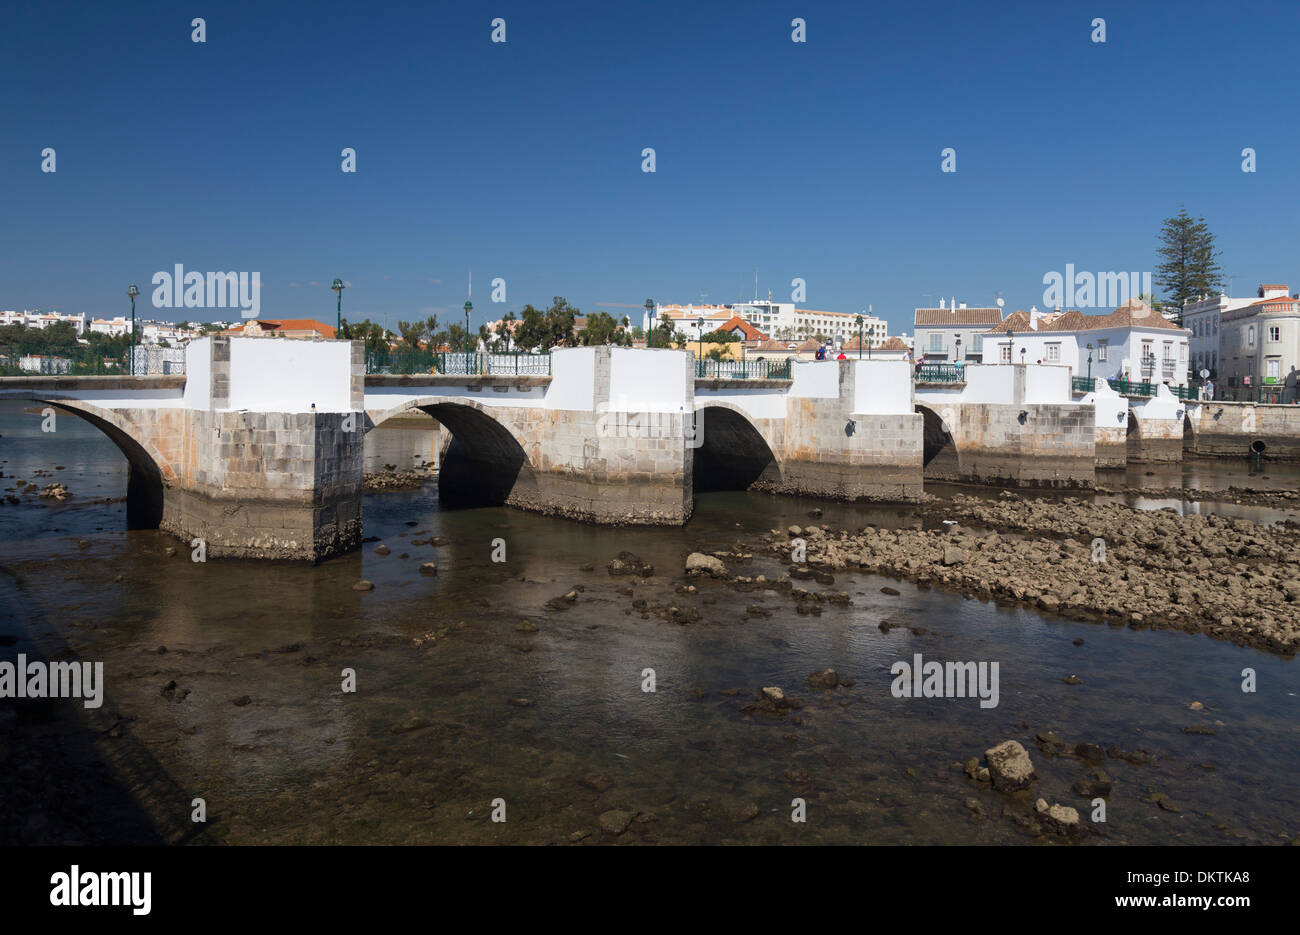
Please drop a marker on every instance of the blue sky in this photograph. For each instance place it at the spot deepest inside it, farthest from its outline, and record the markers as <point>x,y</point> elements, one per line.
<point>522,160</point>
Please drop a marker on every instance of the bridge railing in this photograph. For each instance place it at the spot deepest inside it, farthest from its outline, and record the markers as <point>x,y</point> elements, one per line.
<point>76,360</point>
<point>1148,388</point>
<point>517,363</point>
<point>742,369</point>
<point>940,373</point>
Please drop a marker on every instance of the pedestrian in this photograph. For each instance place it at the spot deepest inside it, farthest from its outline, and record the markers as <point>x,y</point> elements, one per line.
<point>821,352</point>
<point>841,357</point>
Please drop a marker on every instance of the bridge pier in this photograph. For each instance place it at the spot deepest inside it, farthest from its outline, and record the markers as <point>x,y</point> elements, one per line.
<point>1155,428</point>
<point>1010,424</point>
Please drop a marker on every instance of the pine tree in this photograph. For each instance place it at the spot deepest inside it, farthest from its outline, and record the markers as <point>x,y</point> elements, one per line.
<point>1190,269</point>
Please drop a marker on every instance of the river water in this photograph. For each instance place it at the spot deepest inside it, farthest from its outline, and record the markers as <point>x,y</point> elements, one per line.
<point>470,691</point>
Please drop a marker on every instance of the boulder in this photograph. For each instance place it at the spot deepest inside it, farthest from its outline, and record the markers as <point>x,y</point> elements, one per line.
<point>1009,766</point>
<point>699,563</point>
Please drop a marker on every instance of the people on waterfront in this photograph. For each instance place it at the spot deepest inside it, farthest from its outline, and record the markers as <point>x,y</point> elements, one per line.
<point>821,352</point>
<point>841,357</point>
<point>1208,389</point>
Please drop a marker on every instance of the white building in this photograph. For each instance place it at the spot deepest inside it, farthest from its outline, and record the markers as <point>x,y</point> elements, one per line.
<point>952,332</point>
<point>1259,344</point>
<point>1204,319</point>
<point>1133,342</point>
<point>783,321</point>
<point>112,326</point>
<point>31,319</point>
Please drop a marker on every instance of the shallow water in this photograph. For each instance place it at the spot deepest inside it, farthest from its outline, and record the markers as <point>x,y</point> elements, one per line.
<point>302,761</point>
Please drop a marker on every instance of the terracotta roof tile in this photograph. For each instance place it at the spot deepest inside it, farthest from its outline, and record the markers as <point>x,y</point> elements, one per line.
<point>957,316</point>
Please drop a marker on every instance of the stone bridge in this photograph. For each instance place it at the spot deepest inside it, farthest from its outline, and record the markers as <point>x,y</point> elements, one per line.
<point>258,450</point>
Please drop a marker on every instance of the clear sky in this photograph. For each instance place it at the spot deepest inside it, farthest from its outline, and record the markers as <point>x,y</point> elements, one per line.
<point>522,160</point>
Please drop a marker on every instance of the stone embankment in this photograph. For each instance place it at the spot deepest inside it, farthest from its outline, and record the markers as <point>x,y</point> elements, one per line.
<point>1230,579</point>
<point>1247,496</point>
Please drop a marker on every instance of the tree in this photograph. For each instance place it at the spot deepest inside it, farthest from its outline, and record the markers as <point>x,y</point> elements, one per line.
<point>1190,268</point>
<point>602,328</point>
<point>412,332</point>
<point>721,337</point>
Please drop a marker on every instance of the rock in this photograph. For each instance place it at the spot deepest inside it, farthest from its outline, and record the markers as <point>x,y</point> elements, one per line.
<point>1072,680</point>
<point>892,592</point>
<point>1060,819</point>
<point>615,822</point>
<point>241,701</point>
<point>795,531</point>
<point>597,782</point>
<point>525,626</point>
<point>1159,798</point>
<point>520,702</point>
<point>628,564</point>
<point>699,563</point>
<point>428,568</point>
<point>1098,784</point>
<point>410,724</point>
<point>775,696</point>
<point>827,678</point>
<point>363,586</point>
<point>748,813</point>
<point>1090,751</point>
<point>381,549</point>
<point>953,555</point>
<point>1010,766</point>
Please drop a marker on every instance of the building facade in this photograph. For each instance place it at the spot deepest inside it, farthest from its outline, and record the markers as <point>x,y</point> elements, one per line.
<point>953,332</point>
<point>1259,345</point>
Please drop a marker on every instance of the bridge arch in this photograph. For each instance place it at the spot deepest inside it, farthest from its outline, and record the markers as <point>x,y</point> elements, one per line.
<point>148,472</point>
<point>486,460</point>
<point>734,453</point>
<point>940,457</point>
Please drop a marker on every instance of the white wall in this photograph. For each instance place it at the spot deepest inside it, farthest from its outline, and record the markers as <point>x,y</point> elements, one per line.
<point>819,379</point>
<point>284,375</point>
<point>1110,410</point>
<point>198,374</point>
<point>1047,384</point>
<point>573,379</point>
<point>759,404</point>
<point>646,380</point>
<point>881,387</point>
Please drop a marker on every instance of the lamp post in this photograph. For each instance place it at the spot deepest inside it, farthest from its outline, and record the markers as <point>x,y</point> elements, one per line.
<point>859,323</point>
<point>469,307</point>
<point>699,332</point>
<point>1011,347</point>
<point>1090,362</point>
<point>338,287</point>
<point>958,340</point>
<point>132,291</point>
<point>650,317</point>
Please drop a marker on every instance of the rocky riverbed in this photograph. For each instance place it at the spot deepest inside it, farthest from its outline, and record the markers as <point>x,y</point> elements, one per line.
<point>390,478</point>
<point>1230,579</point>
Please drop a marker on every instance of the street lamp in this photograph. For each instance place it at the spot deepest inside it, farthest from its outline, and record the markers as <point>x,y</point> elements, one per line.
<point>650,317</point>
<point>132,291</point>
<point>338,287</point>
<point>1090,363</point>
<point>958,340</point>
<point>469,307</point>
<point>859,322</point>
<point>699,331</point>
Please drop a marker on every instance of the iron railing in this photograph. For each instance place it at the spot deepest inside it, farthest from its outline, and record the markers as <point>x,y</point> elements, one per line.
<point>411,361</point>
<point>940,373</point>
<point>78,360</point>
<point>760,369</point>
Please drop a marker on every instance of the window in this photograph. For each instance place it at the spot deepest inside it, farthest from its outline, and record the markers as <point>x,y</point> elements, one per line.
<point>1182,352</point>
<point>977,344</point>
<point>1275,332</point>
<point>1005,352</point>
<point>1101,349</point>
<point>936,340</point>
<point>1272,369</point>
<point>1053,353</point>
<point>1250,336</point>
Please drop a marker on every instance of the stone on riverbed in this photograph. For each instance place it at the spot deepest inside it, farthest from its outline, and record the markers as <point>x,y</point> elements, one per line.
<point>1009,766</point>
